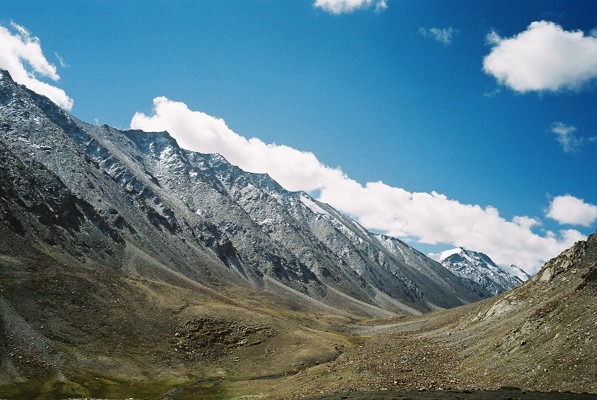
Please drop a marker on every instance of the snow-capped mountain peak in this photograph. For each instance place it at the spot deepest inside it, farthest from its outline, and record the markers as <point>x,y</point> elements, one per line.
<point>480,268</point>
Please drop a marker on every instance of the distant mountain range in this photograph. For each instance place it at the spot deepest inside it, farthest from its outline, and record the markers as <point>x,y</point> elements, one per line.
<point>481,269</point>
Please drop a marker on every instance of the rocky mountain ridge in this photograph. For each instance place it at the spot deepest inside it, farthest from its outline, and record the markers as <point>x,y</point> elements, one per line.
<point>154,209</point>
<point>479,268</point>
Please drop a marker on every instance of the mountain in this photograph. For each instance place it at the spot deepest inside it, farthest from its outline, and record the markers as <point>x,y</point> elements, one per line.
<point>98,195</point>
<point>481,269</point>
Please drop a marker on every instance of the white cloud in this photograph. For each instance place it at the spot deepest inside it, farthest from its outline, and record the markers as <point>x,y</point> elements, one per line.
<point>566,138</point>
<point>22,56</point>
<point>60,60</point>
<point>348,6</point>
<point>544,57</point>
<point>194,130</point>
<point>428,217</point>
<point>572,211</point>
<point>433,218</point>
<point>442,35</point>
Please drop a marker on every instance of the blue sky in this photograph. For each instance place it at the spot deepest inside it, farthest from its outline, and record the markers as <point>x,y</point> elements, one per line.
<point>392,91</point>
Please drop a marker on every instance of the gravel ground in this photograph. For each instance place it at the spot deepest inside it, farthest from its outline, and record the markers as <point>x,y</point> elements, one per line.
<point>504,394</point>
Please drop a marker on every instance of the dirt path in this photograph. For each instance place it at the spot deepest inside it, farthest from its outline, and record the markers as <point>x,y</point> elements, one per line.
<point>369,330</point>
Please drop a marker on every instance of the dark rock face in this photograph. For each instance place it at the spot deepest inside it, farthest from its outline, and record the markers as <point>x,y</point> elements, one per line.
<point>100,195</point>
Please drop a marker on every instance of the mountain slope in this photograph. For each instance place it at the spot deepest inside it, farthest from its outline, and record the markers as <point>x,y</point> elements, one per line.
<point>198,216</point>
<point>479,268</point>
<point>542,334</point>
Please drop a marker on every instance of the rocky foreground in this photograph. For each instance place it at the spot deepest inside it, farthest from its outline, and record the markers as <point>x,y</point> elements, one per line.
<point>502,394</point>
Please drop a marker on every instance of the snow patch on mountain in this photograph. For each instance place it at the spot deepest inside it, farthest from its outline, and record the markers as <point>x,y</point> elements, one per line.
<point>516,271</point>
<point>312,206</point>
<point>444,254</point>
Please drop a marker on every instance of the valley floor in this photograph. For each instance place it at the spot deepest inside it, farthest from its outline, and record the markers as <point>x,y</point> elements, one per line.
<point>170,343</point>
<point>424,357</point>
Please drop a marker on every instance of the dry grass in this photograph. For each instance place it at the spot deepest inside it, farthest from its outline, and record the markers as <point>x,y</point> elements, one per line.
<point>72,331</point>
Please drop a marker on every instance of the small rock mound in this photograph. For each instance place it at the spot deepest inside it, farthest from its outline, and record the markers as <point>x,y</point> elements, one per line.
<point>213,338</point>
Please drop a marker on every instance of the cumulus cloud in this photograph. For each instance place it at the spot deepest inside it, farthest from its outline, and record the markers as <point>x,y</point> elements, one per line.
<point>544,57</point>
<point>442,35</point>
<point>427,217</point>
<point>197,131</point>
<point>572,211</point>
<point>348,6</point>
<point>22,56</point>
